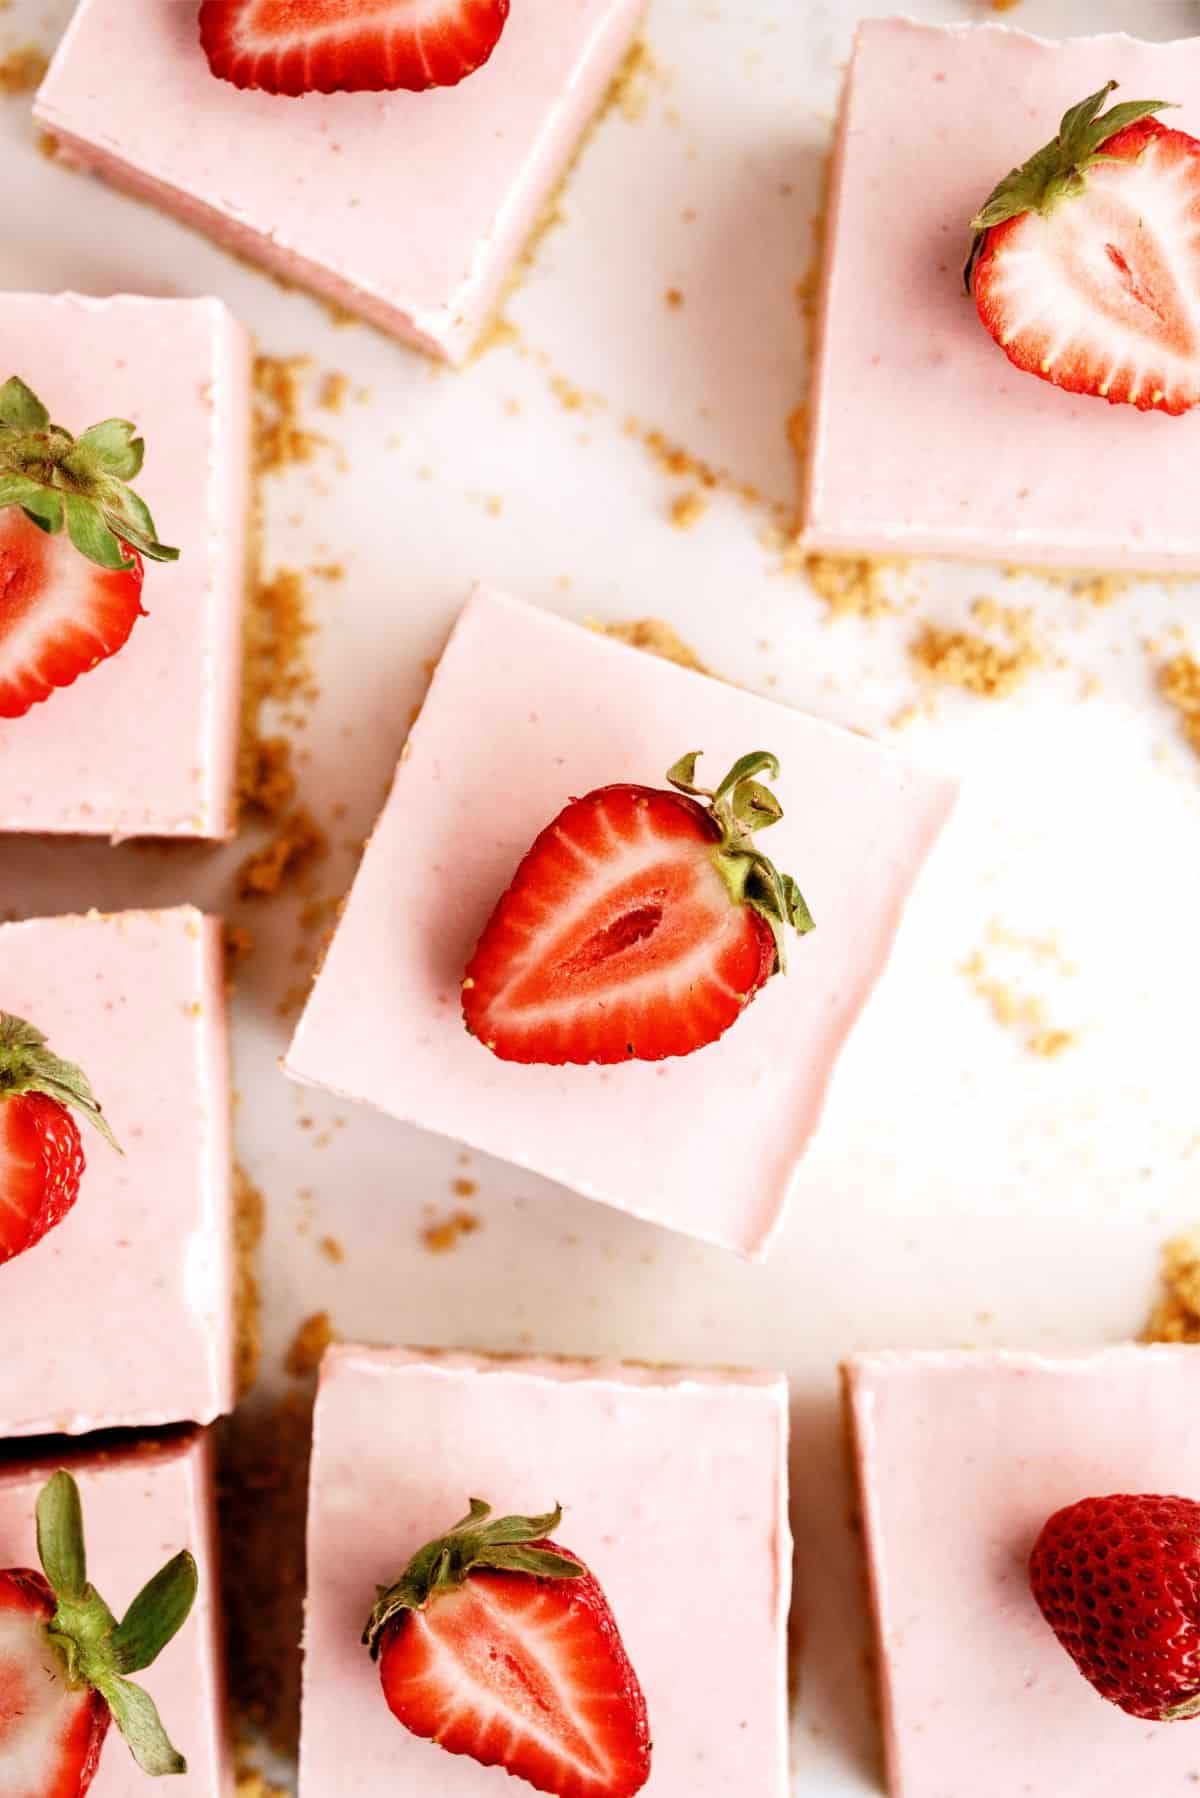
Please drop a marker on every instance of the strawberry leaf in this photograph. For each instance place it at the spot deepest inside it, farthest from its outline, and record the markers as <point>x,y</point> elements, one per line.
<point>28,1065</point>
<point>91,536</point>
<point>156,1616</point>
<point>60,1537</point>
<point>20,408</point>
<point>117,447</point>
<point>136,1716</point>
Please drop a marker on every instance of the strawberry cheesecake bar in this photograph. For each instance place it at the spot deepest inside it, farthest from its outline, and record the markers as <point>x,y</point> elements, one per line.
<point>1009,1498</point>
<point>398,1020</point>
<point>968,417</point>
<point>119,664</point>
<point>114,1027</point>
<point>145,1505</point>
<point>671,1490</point>
<point>409,208</point>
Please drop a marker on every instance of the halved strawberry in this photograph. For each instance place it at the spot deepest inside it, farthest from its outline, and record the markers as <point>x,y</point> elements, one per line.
<point>41,1154</point>
<point>324,46</point>
<point>497,1644</point>
<point>66,605</point>
<point>639,925</point>
<point>64,1659</point>
<point>1086,261</point>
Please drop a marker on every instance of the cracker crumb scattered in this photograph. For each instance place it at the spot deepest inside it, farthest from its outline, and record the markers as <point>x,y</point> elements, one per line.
<point>332,1250</point>
<point>1176,1315</point>
<point>308,1345</point>
<point>972,662</point>
<point>464,1189</point>
<point>238,944</point>
<point>634,82</point>
<point>687,510</point>
<point>297,843</point>
<point>657,638</point>
<point>441,1237</point>
<point>1011,1005</point>
<point>280,441</point>
<point>334,388</point>
<point>23,70</point>
<point>266,778</point>
<point>1180,681</point>
<point>850,586</point>
<point>249,1222</point>
<point>674,298</point>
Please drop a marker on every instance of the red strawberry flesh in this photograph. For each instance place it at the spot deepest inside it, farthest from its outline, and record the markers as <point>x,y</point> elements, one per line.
<point>305,46</point>
<point>50,1736</point>
<point>1118,1581</point>
<point>41,1165</point>
<point>526,1674</point>
<point>60,615</point>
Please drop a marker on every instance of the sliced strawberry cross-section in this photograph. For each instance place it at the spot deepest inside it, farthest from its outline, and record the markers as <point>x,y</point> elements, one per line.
<point>499,1645</point>
<point>1086,261</point>
<point>639,925</point>
<point>324,46</point>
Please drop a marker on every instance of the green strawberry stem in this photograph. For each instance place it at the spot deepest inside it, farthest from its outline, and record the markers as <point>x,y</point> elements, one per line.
<point>738,807</point>
<point>1057,172</point>
<point>28,1066</point>
<point>505,1545</point>
<point>57,478</point>
<point>96,1650</point>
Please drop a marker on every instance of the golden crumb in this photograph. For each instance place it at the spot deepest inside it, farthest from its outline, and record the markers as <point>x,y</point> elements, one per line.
<point>850,586</point>
<point>967,660</point>
<point>657,638</point>
<point>262,1495</point>
<point>308,1345</point>
<point>440,1238</point>
<point>266,779</point>
<point>631,87</point>
<point>332,1250</point>
<point>1050,1043</point>
<point>1100,589</point>
<point>297,843</point>
<point>1004,5</point>
<point>464,1189</point>
<point>47,145</point>
<point>334,388</point>
<point>283,608</point>
<point>249,1222</point>
<point>21,71</point>
<point>1012,1006</point>
<point>280,440</point>
<point>238,944</point>
<point>687,510</point>
<point>1181,687</point>
<point>1176,1315</point>
<point>674,298</point>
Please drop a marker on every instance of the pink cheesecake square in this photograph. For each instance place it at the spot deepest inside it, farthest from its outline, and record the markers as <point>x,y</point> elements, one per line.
<point>142,1503</point>
<point>145,744</point>
<point>140,1272</point>
<point>526,710</point>
<point>962,1458</point>
<point>925,439</point>
<point>407,208</point>
<point>674,1491</point>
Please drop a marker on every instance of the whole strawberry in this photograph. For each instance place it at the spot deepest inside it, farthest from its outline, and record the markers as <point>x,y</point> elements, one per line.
<point>495,1643</point>
<point>1086,264</point>
<point>41,1152</point>
<point>67,602</point>
<point>1118,1581</point>
<point>64,1660</point>
<point>639,926</point>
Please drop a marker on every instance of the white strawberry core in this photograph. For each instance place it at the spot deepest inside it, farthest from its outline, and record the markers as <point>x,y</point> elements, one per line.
<point>1110,276</point>
<point>37,1712</point>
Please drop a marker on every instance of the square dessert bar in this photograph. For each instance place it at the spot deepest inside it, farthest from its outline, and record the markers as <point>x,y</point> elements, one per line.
<point>962,1458</point>
<point>925,439</point>
<point>145,744</point>
<point>674,1492</point>
<point>140,1272</point>
<point>142,1503</point>
<point>407,208</point>
<point>526,710</point>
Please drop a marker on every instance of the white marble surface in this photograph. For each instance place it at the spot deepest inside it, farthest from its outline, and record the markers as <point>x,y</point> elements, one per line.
<point>961,1189</point>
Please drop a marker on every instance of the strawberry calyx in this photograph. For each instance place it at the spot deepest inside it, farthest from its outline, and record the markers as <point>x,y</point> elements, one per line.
<point>1058,171</point>
<point>28,1066</point>
<point>503,1545</point>
<point>738,807</point>
<point>94,1648</point>
<point>80,481</point>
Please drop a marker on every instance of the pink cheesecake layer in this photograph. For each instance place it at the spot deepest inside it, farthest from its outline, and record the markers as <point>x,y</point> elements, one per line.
<point>407,208</point>
<point>674,1489</point>
<point>925,439</point>
<point>962,1458</point>
<point>142,1503</point>
<point>145,744</point>
<point>524,711</point>
<point>122,1315</point>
